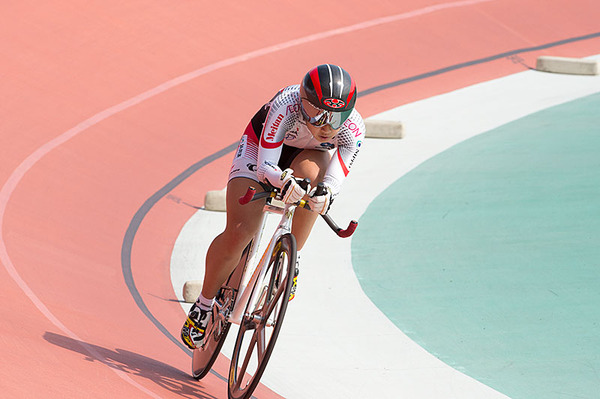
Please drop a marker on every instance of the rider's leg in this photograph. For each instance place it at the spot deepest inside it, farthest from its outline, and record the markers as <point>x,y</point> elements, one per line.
<point>310,164</point>
<point>226,249</point>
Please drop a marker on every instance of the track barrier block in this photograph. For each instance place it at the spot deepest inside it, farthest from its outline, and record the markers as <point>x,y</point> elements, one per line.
<point>191,290</point>
<point>215,200</point>
<point>573,66</point>
<point>384,129</point>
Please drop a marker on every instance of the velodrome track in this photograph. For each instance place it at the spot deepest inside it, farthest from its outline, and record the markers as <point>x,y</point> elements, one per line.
<point>117,117</point>
<point>384,360</point>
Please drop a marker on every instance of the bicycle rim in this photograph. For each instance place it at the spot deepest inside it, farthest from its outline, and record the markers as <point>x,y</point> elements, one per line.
<point>204,358</point>
<point>260,326</point>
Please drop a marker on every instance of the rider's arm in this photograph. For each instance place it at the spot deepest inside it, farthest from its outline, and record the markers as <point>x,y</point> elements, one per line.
<point>350,139</point>
<point>270,146</point>
<point>269,151</point>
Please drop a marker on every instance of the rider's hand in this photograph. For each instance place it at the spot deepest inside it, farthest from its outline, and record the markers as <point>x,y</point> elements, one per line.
<point>320,199</point>
<point>291,192</point>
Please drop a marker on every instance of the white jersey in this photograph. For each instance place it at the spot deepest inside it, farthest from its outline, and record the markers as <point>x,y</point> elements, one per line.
<point>285,124</point>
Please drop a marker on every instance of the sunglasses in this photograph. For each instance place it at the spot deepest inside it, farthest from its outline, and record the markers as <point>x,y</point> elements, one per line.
<point>335,119</point>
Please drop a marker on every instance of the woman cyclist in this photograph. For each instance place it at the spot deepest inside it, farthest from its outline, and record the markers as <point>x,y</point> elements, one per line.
<point>310,131</point>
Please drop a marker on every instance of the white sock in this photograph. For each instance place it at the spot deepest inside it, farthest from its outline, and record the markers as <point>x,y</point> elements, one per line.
<point>204,303</point>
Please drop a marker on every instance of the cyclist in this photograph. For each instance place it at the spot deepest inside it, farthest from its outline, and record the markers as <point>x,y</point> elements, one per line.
<point>310,131</point>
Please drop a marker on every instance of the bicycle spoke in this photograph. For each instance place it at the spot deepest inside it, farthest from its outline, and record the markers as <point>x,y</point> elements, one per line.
<point>247,358</point>
<point>260,342</point>
<point>274,301</point>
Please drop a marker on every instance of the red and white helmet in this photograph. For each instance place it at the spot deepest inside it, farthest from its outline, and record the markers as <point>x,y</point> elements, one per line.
<point>330,89</point>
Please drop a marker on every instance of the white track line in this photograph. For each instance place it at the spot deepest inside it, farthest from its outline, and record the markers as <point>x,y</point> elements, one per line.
<point>335,342</point>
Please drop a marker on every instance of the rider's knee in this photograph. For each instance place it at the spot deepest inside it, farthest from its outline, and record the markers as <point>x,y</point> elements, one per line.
<point>238,236</point>
<point>311,164</point>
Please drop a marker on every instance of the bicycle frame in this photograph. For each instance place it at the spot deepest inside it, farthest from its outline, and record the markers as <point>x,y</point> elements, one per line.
<point>238,299</point>
<point>247,299</point>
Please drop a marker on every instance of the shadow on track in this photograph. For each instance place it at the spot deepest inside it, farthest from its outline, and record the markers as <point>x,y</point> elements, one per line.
<point>162,374</point>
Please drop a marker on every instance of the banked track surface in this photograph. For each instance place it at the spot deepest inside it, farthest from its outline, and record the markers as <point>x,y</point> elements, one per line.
<point>104,104</point>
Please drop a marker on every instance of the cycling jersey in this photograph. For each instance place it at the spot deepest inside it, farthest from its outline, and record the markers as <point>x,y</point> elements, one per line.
<point>279,127</point>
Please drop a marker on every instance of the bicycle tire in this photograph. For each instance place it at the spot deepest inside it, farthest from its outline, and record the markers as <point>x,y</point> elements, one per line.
<point>203,358</point>
<point>275,291</point>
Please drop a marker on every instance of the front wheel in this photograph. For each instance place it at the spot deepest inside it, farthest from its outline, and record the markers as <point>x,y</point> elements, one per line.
<point>260,325</point>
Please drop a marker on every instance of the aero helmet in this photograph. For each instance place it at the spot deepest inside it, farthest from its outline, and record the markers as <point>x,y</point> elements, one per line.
<point>330,89</point>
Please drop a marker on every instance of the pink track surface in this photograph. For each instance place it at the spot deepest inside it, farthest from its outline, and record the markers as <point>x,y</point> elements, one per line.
<point>105,103</point>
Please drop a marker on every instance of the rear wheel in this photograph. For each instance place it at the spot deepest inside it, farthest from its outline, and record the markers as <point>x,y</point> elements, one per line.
<point>204,357</point>
<point>260,325</point>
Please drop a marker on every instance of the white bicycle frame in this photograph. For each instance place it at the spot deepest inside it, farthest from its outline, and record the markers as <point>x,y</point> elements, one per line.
<point>253,274</point>
<point>255,271</point>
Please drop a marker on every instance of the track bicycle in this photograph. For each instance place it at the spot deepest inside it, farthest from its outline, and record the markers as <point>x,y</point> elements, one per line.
<point>255,297</point>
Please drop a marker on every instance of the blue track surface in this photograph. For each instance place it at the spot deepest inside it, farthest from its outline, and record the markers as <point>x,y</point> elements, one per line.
<point>487,254</point>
